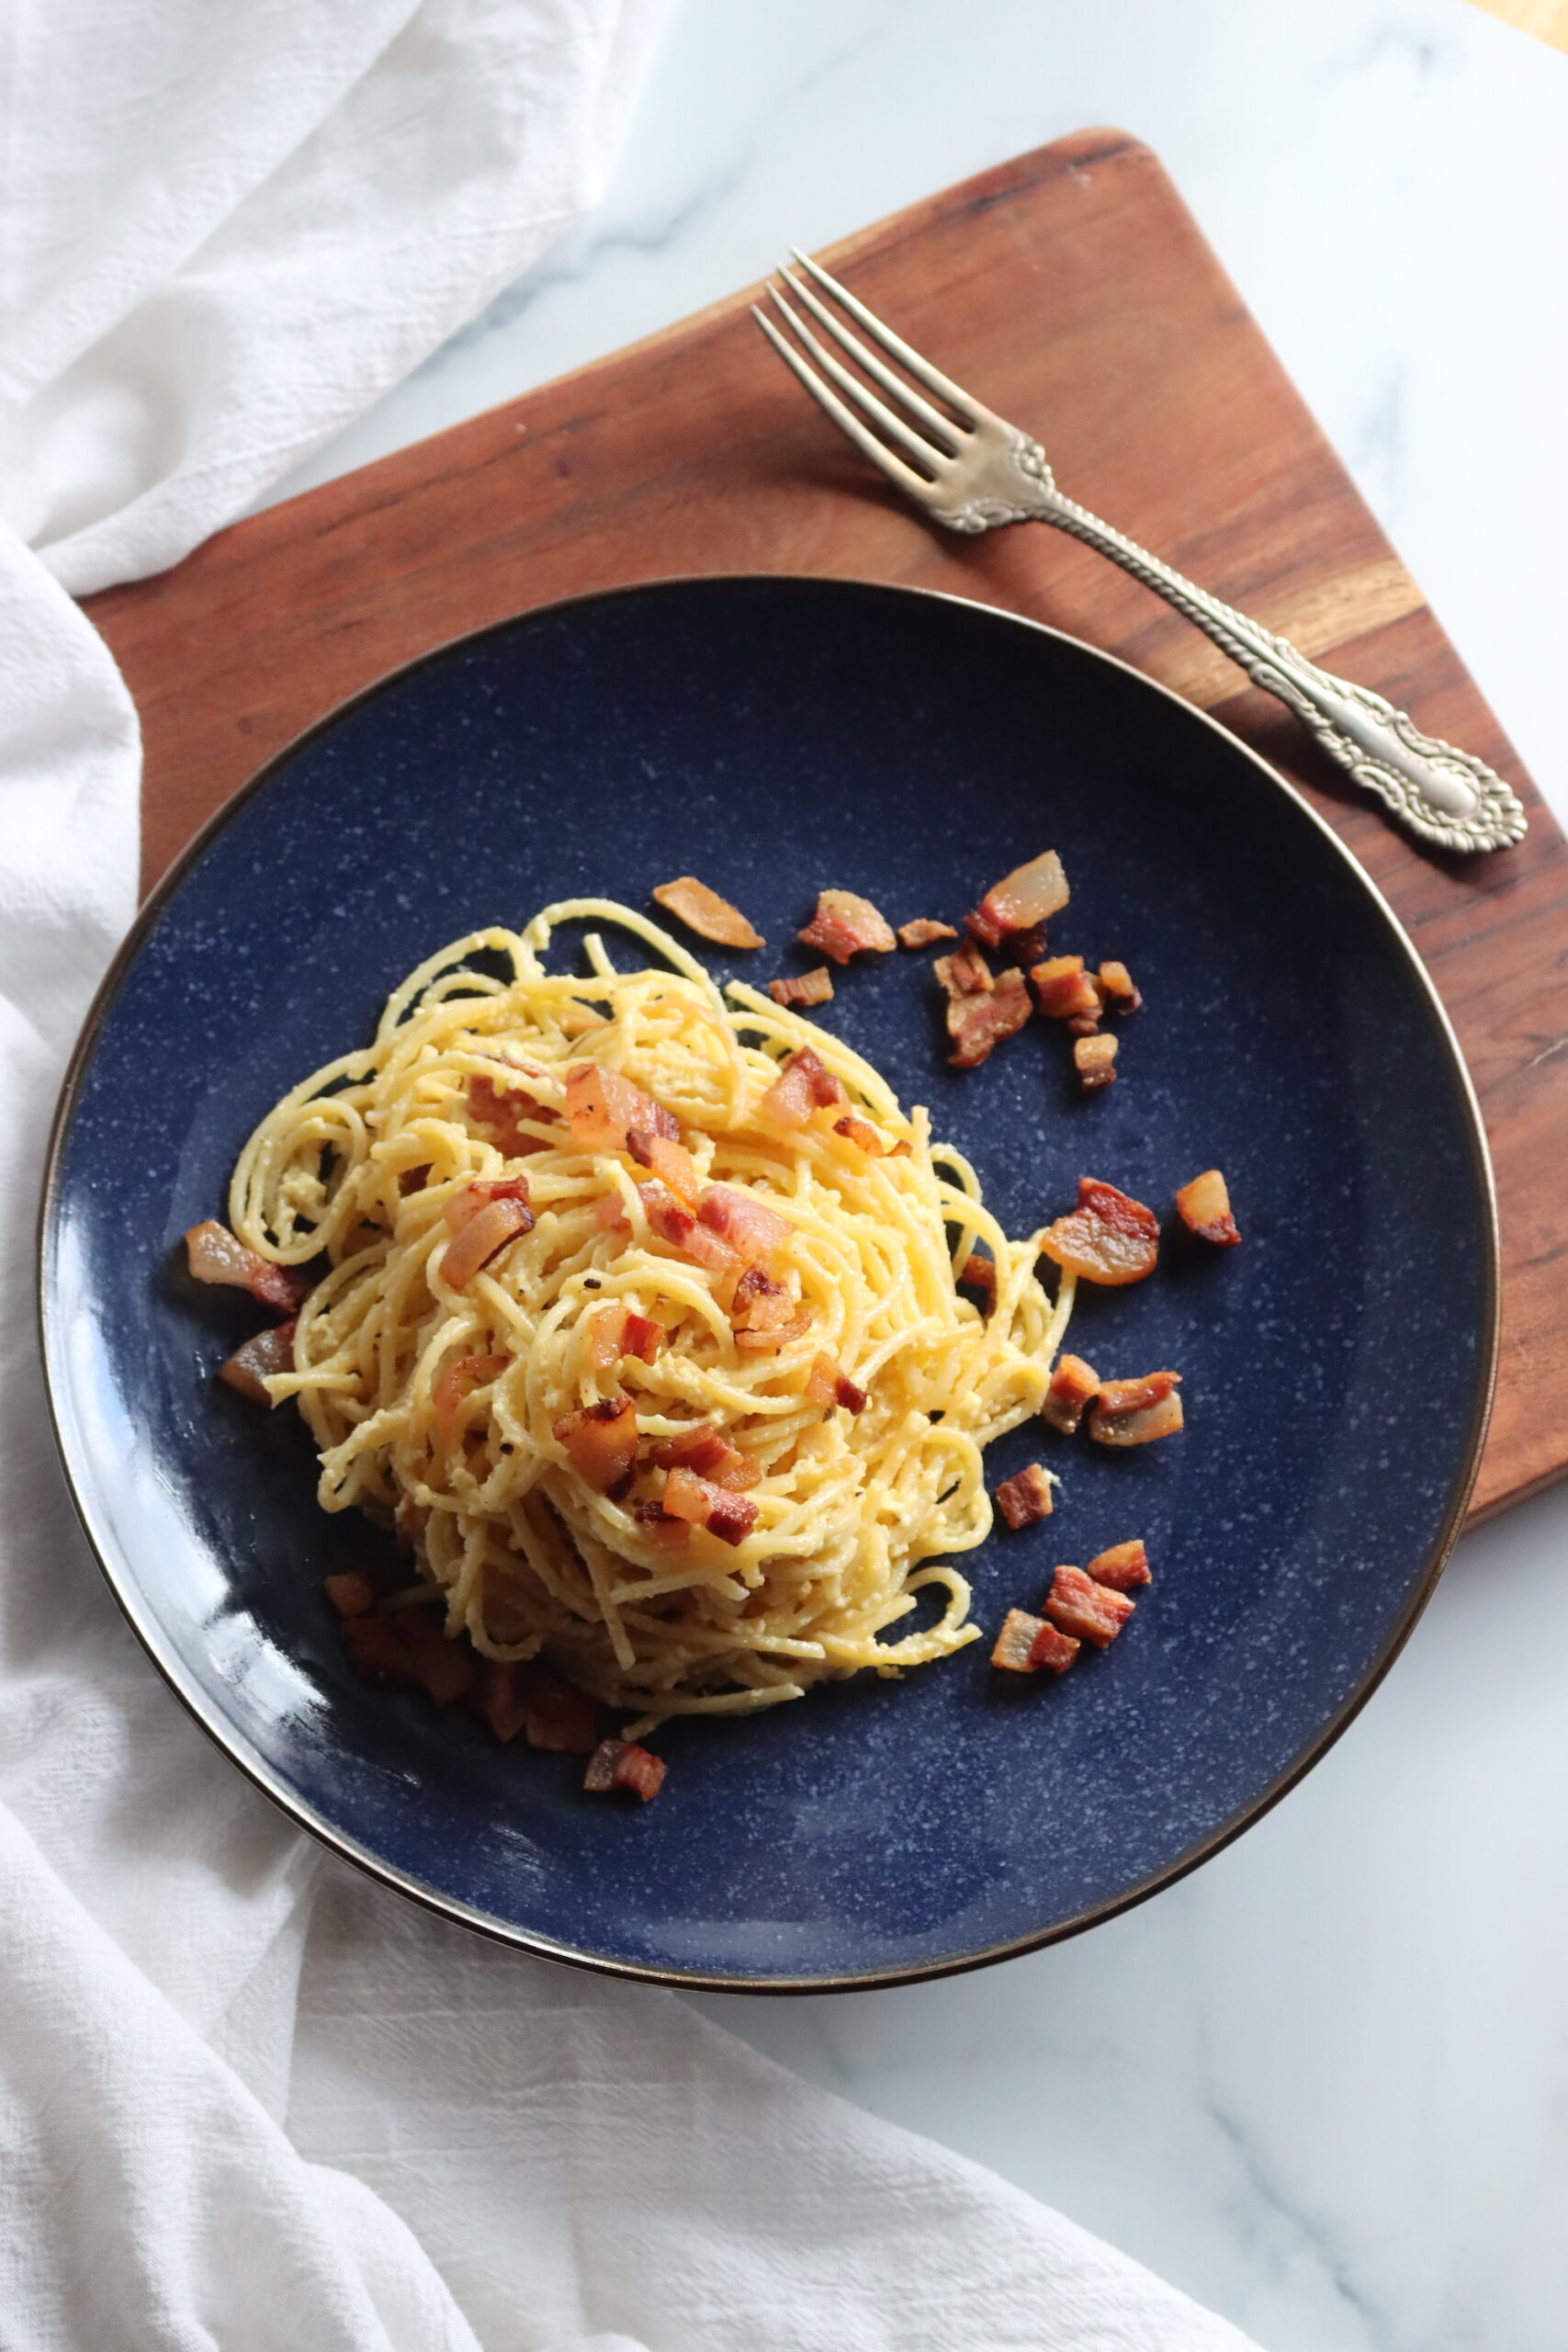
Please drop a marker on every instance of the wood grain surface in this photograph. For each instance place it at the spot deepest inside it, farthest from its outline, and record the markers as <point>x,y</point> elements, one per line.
<point>1072,292</point>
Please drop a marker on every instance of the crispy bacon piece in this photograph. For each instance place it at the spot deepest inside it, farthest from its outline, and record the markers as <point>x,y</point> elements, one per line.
<point>1117,988</point>
<point>413,1180</point>
<point>462,1206</point>
<point>1090,1611</point>
<point>1134,1412</point>
<point>671,1162</point>
<point>1025,1497</point>
<point>704,1451</point>
<point>747,1223</point>
<point>1094,1059</point>
<point>641,1336</point>
<point>452,1383</point>
<point>495,1697</point>
<point>1030,894</point>
<point>1074,1384</point>
<point>1064,990</point>
<point>489,1230</point>
<point>1025,947</point>
<point>669,1534</point>
<point>759,1303</point>
<point>601,1106</point>
<point>216,1255</point>
<point>557,1716</point>
<point>1204,1207</point>
<point>703,1503</point>
<point>1108,1238</point>
<point>352,1594</point>
<point>610,1211</point>
<point>827,1386</point>
<point>977,1024</point>
<point>980,1273</point>
<point>965,973</point>
<point>845,925</point>
<point>1025,1643</point>
<point>500,1111</point>
<point>924,932</point>
<point>622,1764</point>
<point>253,1363</point>
<point>600,1445</point>
<point>376,1651</point>
<point>704,912</point>
<point>1122,1567</point>
<point>668,1221</point>
<point>815,987</point>
<point>445,1670</point>
<point>861,1133</point>
<point>804,1084</point>
<point>604,1332</point>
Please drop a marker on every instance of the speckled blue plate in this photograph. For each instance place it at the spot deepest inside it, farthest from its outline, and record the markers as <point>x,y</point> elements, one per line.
<point>774,736</point>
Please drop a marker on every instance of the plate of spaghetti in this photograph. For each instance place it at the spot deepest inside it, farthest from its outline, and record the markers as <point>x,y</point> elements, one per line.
<point>620,1413</point>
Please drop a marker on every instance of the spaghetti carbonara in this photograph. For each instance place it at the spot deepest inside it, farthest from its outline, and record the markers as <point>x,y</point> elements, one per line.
<point>642,1322</point>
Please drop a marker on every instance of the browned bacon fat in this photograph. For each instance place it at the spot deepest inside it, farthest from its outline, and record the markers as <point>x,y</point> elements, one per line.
<point>1074,1384</point>
<point>810,987</point>
<point>216,1255</point>
<point>924,932</point>
<point>1088,1612</point>
<point>622,1764</point>
<point>262,1355</point>
<point>1025,1643</point>
<point>846,924</point>
<point>1204,1207</point>
<point>1134,1412</point>
<point>1031,894</point>
<point>704,912</point>
<point>1123,1566</point>
<point>978,1023</point>
<point>1110,1237</point>
<point>1025,1497</point>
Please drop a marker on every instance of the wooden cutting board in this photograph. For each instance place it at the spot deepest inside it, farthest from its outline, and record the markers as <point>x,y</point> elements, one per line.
<point>1071,291</point>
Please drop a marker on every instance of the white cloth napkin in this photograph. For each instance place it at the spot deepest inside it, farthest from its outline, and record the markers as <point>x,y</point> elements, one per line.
<point>246,2099</point>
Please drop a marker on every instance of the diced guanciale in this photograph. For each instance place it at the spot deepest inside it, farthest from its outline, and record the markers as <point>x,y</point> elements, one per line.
<point>747,1223</point>
<point>216,1255</point>
<point>861,1133</point>
<point>1025,1497</point>
<point>457,1212</point>
<point>495,1697</point>
<point>1117,988</point>
<point>1134,1412</point>
<point>815,987</point>
<point>352,1594</point>
<point>376,1651</point>
<point>1074,1384</point>
<point>827,1385</point>
<point>764,1314</point>
<point>965,973</point>
<point>1204,1207</point>
<point>1123,1568</point>
<point>600,1445</point>
<point>255,1361</point>
<point>1088,1612</point>
<point>558,1717</point>
<point>978,1023</point>
<point>1064,990</point>
<point>1108,1238</point>
<point>1094,1059</point>
<point>602,1107</point>
<point>487,1230</point>
<point>622,1764</point>
<point>500,1112</point>
<point>1030,894</point>
<point>979,1273</point>
<point>846,924</point>
<point>444,1667</point>
<point>704,912</point>
<point>457,1377</point>
<point>703,1503</point>
<point>1025,1643</point>
<point>924,932</point>
<point>703,1450</point>
<point>671,1162</point>
<point>805,1084</point>
<point>642,1337</point>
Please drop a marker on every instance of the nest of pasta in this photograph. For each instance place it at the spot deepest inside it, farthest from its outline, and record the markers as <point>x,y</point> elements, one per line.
<point>642,1322</point>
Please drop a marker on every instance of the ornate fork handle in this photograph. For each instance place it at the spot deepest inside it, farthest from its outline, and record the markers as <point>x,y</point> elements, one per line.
<point>1445,796</point>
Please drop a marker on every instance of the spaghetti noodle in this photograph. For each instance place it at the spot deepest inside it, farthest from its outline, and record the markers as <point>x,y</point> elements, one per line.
<point>463,1410</point>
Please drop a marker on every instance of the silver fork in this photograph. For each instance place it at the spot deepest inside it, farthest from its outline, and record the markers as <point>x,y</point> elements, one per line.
<point>970,470</point>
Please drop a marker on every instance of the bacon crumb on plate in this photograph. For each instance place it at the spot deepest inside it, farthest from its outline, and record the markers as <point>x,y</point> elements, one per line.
<point>1088,1612</point>
<point>1117,988</point>
<point>1029,895</point>
<point>1025,1497</point>
<point>704,912</point>
<point>216,1255</point>
<point>1094,1059</point>
<point>845,924</point>
<point>978,1023</point>
<point>557,1716</point>
<point>1134,1412</point>
<point>444,1667</point>
<point>257,1360</point>
<point>1064,990</point>
<point>599,1443</point>
<point>622,1764</point>
<point>1204,1207</point>
<point>352,1594</point>
<point>1122,1567</point>
<point>924,932</point>
<point>376,1651</point>
<point>815,987</point>
<point>1025,1643</point>
<point>1073,1385</point>
<point>965,973</point>
<point>1110,1237</point>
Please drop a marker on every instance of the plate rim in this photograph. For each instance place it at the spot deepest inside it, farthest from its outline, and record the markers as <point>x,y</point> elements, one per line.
<point>171,1667</point>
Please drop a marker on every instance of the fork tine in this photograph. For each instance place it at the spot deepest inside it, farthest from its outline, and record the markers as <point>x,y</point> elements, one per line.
<point>903,477</point>
<point>922,370</point>
<point>852,389</point>
<point>950,433</point>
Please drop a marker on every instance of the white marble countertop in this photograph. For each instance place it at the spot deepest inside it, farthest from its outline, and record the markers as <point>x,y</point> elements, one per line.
<point>1326,2090</point>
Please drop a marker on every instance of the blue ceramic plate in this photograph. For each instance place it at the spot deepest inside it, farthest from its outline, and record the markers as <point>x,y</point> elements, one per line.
<point>774,736</point>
